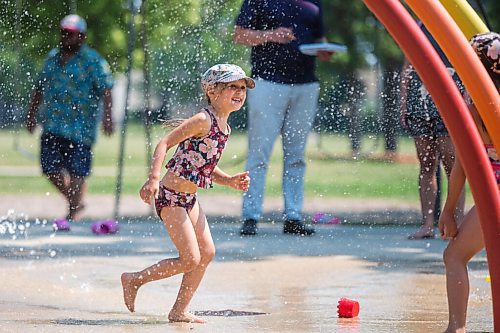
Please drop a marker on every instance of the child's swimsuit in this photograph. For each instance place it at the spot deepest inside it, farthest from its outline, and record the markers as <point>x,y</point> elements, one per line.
<point>171,198</point>
<point>194,160</point>
<point>494,160</point>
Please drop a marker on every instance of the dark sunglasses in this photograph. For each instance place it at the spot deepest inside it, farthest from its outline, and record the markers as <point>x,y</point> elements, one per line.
<point>66,32</point>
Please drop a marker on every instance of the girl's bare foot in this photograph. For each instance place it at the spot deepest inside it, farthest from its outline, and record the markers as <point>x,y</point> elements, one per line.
<point>423,233</point>
<point>185,317</point>
<point>129,290</point>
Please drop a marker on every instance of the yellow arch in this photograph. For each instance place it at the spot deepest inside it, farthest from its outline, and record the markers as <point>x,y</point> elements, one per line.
<point>466,18</point>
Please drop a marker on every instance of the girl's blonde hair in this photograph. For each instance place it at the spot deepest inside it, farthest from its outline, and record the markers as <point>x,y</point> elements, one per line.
<point>211,86</point>
<point>172,123</point>
<point>176,122</point>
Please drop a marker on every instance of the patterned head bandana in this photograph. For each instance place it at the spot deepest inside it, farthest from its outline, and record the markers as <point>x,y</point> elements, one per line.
<point>487,47</point>
<point>224,73</point>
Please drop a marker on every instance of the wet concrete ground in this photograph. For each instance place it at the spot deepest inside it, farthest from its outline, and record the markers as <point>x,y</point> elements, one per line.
<point>70,282</point>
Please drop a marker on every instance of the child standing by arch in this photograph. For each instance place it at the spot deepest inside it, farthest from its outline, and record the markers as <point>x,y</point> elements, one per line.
<point>467,239</point>
<point>200,141</point>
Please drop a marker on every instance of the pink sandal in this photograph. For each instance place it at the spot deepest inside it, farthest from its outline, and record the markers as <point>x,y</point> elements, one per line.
<point>61,225</point>
<point>105,227</point>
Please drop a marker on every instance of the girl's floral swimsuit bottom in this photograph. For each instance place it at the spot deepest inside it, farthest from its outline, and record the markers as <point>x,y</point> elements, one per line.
<point>171,198</point>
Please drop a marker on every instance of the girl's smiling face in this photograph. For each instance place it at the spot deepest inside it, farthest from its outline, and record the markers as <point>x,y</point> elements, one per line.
<point>229,96</point>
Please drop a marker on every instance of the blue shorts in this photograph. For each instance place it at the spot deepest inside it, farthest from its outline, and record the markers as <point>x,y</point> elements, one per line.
<point>58,153</point>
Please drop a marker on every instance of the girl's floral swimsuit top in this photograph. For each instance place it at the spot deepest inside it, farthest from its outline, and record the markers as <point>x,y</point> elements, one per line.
<point>196,157</point>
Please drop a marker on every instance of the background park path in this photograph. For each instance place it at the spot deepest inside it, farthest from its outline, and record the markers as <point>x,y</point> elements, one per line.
<point>225,207</point>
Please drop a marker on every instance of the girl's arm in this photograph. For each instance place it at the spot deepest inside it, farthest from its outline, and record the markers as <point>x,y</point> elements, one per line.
<point>198,125</point>
<point>239,181</point>
<point>479,124</point>
<point>447,224</point>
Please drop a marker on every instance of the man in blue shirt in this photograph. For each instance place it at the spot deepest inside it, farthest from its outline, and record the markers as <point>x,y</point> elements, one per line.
<point>284,100</point>
<point>68,92</point>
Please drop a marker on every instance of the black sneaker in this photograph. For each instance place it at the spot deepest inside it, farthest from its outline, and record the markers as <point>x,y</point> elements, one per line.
<point>249,228</point>
<point>298,228</point>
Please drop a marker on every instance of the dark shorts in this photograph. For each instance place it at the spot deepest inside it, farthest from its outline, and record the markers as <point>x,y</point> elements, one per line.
<point>171,198</point>
<point>58,153</point>
<point>421,127</point>
<point>422,115</point>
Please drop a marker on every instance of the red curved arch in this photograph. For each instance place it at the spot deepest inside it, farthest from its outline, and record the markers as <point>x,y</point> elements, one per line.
<point>459,122</point>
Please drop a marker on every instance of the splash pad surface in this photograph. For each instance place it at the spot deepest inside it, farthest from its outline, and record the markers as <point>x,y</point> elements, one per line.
<point>69,282</point>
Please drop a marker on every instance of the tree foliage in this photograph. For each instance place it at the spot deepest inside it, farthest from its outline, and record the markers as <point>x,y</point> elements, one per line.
<point>31,29</point>
<point>184,38</point>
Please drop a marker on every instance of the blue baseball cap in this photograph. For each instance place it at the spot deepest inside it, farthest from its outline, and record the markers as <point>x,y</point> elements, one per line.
<point>74,23</point>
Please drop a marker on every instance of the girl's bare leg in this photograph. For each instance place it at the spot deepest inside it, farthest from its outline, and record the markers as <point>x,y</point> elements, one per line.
<point>191,280</point>
<point>183,236</point>
<point>427,185</point>
<point>460,250</point>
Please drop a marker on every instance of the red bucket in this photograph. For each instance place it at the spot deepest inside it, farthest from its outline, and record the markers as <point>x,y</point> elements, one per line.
<point>347,308</point>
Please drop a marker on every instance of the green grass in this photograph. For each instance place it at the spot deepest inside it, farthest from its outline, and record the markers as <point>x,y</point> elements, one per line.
<point>330,170</point>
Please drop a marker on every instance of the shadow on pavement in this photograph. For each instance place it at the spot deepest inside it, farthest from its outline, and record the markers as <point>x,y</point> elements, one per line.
<point>384,245</point>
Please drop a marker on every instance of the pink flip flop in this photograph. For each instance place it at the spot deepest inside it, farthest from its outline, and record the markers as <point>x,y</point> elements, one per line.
<point>317,217</point>
<point>105,227</point>
<point>324,218</point>
<point>61,225</point>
